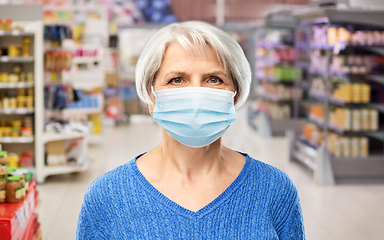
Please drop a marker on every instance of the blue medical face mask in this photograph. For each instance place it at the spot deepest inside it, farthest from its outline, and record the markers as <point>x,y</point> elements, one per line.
<point>194,116</point>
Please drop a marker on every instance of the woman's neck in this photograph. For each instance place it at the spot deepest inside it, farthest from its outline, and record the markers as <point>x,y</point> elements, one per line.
<point>188,161</point>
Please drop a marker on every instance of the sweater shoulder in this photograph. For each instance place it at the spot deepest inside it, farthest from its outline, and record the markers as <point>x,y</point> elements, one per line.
<point>271,176</point>
<point>105,187</point>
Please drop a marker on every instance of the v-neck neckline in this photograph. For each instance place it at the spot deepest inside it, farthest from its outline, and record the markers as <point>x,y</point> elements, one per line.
<point>214,204</point>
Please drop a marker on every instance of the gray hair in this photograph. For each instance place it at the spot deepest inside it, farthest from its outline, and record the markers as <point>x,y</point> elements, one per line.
<point>228,52</point>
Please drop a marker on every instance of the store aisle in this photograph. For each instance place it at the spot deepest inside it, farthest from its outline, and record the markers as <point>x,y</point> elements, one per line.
<point>342,212</point>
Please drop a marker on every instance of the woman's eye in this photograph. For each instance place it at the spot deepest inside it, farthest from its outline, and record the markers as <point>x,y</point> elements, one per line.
<point>214,80</point>
<point>176,80</point>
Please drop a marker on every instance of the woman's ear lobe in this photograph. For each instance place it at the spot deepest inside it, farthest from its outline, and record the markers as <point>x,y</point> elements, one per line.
<point>236,98</point>
<point>150,109</point>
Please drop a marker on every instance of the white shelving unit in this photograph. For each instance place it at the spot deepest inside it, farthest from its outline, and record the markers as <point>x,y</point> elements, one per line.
<point>86,80</point>
<point>31,17</point>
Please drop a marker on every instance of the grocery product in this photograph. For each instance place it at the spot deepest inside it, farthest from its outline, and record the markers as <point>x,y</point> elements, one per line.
<point>3,163</point>
<point>14,190</point>
<point>13,160</point>
<point>3,184</point>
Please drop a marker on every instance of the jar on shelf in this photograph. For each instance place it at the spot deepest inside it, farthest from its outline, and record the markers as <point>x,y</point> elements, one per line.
<point>17,69</point>
<point>16,123</point>
<point>26,161</point>
<point>3,163</point>
<point>25,51</point>
<point>8,25</point>
<point>13,50</point>
<point>30,92</point>
<point>29,101</point>
<point>23,190</point>
<point>30,77</point>
<point>6,131</point>
<point>15,132</point>
<point>20,101</point>
<point>21,91</point>
<point>13,189</point>
<point>28,122</point>
<point>26,132</point>
<point>1,132</point>
<point>2,24</point>
<point>13,160</point>
<point>3,185</point>
<point>3,77</point>
<point>5,103</point>
<point>12,103</point>
<point>26,41</point>
<point>23,77</point>
<point>13,78</point>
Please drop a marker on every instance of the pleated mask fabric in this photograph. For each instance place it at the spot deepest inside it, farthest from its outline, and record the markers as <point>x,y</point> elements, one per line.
<point>194,116</point>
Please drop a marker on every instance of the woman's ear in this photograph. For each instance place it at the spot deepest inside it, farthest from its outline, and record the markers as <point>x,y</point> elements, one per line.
<point>150,108</point>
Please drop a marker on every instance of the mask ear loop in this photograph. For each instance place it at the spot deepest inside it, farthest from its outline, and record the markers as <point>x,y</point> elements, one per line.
<point>234,94</point>
<point>153,92</point>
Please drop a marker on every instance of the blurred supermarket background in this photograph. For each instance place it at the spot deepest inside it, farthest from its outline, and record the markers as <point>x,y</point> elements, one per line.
<point>69,107</point>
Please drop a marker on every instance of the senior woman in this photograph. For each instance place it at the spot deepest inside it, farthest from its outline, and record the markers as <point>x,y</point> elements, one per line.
<point>193,76</point>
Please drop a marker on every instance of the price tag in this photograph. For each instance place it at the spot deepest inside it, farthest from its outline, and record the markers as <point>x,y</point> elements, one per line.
<point>32,201</point>
<point>20,217</point>
<point>26,209</point>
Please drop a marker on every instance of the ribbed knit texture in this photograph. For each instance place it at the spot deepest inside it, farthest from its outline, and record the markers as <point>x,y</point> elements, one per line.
<point>262,203</point>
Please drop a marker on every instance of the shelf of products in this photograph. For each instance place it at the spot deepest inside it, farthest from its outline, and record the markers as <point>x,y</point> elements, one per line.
<point>53,136</point>
<point>20,75</point>
<point>345,122</point>
<point>275,89</point>
<point>18,196</point>
<point>78,70</point>
<point>16,85</point>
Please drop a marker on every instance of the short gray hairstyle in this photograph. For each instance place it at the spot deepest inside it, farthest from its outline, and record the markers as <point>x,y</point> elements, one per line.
<point>228,52</point>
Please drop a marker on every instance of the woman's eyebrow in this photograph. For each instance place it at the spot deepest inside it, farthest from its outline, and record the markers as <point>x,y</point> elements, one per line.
<point>175,73</point>
<point>219,73</point>
<point>180,73</point>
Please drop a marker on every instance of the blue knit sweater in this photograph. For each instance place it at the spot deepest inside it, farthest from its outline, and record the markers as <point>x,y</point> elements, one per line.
<point>262,203</point>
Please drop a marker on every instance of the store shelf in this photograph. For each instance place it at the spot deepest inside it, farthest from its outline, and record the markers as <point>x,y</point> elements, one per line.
<point>272,98</point>
<point>308,142</point>
<point>304,159</point>
<point>331,74</point>
<point>347,168</point>
<point>305,149</point>
<point>329,169</point>
<point>55,170</point>
<point>18,220</point>
<point>16,85</point>
<point>341,103</point>
<point>376,134</point>
<point>275,80</point>
<point>376,78</point>
<point>81,110</point>
<point>16,139</point>
<point>17,111</point>
<point>51,136</point>
<point>15,33</point>
<point>16,59</point>
<point>341,131</point>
